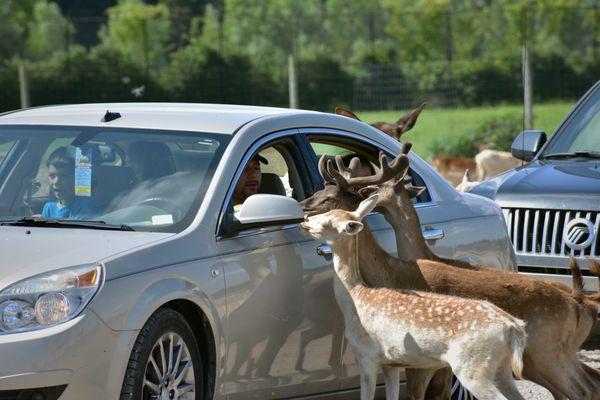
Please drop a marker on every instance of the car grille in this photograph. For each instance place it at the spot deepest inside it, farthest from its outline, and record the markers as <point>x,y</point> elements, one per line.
<point>541,232</point>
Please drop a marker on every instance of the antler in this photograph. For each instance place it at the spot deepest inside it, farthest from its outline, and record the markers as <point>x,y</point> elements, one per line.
<point>323,170</point>
<point>398,166</point>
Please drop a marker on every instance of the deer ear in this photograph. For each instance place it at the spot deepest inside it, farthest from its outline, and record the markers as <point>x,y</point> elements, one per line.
<point>467,176</point>
<point>366,206</point>
<point>414,191</point>
<point>367,191</point>
<point>346,113</point>
<point>352,227</point>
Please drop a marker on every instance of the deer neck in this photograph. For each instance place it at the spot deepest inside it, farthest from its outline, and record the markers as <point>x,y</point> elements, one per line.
<point>346,262</point>
<point>405,222</point>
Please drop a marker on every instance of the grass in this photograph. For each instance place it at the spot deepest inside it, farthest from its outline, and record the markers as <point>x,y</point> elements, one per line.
<point>450,123</point>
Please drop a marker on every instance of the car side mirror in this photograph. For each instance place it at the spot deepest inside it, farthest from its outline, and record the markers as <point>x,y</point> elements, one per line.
<point>527,144</point>
<point>260,208</point>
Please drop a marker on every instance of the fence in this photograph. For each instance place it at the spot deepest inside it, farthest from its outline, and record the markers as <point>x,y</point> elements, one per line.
<point>443,71</point>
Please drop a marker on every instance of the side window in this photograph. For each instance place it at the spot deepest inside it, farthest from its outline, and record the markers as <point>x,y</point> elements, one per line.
<point>277,168</point>
<point>366,153</point>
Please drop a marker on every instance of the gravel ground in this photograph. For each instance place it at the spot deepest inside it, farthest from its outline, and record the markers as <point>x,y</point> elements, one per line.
<point>531,391</point>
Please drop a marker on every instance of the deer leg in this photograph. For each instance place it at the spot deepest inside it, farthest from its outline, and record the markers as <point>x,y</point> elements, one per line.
<point>440,385</point>
<point>392,382</point>
<point>417,381</point>
<point>531,373</point>
<point>368,378</point>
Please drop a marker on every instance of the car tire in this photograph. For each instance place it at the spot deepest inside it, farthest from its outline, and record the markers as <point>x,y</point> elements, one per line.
<point>459,392</point>
<point>165,359</point>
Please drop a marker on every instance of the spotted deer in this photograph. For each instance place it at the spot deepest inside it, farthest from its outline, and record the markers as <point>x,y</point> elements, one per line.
<point>390,327</point>
<point>551,355</point>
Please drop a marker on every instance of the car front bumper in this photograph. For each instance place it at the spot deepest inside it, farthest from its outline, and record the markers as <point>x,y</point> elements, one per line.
<point>83,356</point>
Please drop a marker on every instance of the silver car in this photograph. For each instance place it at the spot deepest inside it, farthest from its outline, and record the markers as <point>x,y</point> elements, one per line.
<point>125,273</point>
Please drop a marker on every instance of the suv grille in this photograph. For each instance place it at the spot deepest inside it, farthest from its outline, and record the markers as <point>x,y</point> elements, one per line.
<point>534,231</point>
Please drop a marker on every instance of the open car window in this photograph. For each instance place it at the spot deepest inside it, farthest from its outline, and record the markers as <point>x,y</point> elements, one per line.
<point>148,180</point>
<point>367,154</point>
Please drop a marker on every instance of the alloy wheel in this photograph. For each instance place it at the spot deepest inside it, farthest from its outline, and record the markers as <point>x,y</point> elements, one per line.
<point>169,373</point>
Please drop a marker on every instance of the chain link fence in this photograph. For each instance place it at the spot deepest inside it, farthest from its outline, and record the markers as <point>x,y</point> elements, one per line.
<point>392,73</point>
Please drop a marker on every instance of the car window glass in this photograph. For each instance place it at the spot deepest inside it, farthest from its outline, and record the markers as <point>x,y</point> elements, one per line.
<point>368,155</point>
<point>278,172</point>
<point>5,148</point>
<point>581,133</point>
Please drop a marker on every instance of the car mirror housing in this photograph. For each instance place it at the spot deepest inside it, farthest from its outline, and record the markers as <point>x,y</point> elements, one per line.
<point>527,144</point>
<point>261,208</point>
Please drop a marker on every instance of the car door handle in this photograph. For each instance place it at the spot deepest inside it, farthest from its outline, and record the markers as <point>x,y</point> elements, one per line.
<point>433,234</point>
<point>324,250</point>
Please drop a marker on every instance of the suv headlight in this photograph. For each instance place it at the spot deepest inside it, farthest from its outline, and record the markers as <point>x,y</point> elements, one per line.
<point>48,299</point>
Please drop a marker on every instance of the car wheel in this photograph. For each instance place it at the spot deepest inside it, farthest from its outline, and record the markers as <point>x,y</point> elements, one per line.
<point>459,392</point>
<point>165,362</point>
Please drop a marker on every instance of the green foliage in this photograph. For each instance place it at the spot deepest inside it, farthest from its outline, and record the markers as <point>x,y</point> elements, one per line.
<point>324,85</point>
<point>495,132</point>
<point>49,31</point>
<point>138,32</point>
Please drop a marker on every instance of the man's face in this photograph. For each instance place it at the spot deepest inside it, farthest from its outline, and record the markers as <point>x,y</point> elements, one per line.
<point>249,181</point>
<point>62,183</point>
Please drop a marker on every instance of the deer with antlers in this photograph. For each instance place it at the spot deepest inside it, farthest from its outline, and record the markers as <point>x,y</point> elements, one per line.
<point>550,357</point>
<point>390,328</point>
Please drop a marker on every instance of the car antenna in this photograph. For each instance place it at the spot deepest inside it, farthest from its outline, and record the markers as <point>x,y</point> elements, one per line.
<point>110,116</point>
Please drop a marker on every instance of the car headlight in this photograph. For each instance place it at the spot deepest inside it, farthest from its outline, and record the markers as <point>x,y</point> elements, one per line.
<point>48,299</point>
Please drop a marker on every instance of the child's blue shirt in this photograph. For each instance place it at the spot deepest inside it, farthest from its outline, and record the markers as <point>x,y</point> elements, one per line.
<point>80,209</point>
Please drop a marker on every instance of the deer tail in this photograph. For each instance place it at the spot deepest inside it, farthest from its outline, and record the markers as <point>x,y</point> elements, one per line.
<point>517,340</point>
<point>594,267</point>
<point>577,290</point>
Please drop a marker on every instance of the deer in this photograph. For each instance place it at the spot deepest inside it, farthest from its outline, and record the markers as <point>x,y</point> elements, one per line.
<point>452,167</point>
<point>493,162</point>
<point>550,357</point>
<point>388,327</point>
<point>395,130</point>
<point>466,184</point>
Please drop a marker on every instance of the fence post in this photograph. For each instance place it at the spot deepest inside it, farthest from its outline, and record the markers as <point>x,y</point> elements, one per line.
<point>292,82</point>
<point>23,85</point>
<point>527,79</point>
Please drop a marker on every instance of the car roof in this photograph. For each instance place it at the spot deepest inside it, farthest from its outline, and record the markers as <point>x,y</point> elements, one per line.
<point>214,118</point>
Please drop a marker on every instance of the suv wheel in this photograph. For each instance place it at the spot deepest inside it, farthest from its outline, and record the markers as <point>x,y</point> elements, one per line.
<point>165,362</point>
<point>459,392</point>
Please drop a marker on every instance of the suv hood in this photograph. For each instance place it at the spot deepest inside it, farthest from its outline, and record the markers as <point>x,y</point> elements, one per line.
<point>23,255</point>
<point>554,185</point>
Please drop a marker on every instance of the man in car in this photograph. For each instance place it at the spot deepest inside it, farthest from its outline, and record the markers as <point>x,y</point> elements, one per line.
<point>249,181</point>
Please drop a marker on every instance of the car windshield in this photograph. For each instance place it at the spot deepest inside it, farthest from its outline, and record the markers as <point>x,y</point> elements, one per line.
<point>86,176</point>
<point>581,135</point>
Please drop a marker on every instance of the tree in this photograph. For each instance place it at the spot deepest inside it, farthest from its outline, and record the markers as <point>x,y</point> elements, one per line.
<point>138,32</point>
<point>48,31</point>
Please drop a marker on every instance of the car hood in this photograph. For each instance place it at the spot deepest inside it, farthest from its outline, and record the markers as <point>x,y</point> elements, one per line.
<point>27,251</point>
<point>541,184</point>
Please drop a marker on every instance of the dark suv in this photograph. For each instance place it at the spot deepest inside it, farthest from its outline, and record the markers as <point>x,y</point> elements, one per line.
<point>552,203</point>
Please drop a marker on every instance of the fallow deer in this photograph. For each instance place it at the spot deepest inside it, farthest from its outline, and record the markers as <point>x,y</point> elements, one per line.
<point>550,357</point>
<point>395,130</point>
<point>391,328</point>
<point>466,184</point>
<point>493,162</point>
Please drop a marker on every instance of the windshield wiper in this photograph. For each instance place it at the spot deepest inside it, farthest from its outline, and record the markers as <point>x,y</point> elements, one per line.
<point>64,223</point>
<point>575,154</point>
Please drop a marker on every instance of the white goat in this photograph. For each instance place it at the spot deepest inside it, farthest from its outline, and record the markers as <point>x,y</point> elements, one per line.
<point>394,328</point>
<point>492,162</point>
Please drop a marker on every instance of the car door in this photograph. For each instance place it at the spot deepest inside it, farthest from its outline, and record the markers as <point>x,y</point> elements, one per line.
<point>281,311</point>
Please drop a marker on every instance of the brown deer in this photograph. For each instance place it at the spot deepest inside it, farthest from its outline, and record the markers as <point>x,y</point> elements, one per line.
<point>395,130</point>
<point>453,168</point>
<point>550,357</point>
<point>391,328</point>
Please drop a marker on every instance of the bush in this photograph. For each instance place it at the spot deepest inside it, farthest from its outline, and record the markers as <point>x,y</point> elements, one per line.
<point>497,133</point>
